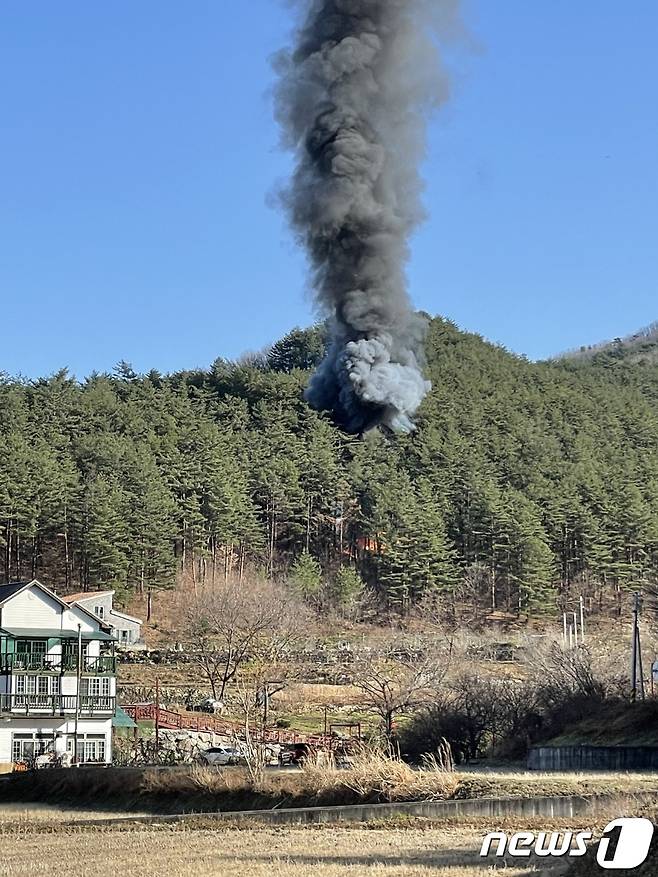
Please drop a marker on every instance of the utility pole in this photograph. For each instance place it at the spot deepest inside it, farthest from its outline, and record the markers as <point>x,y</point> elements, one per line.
<point>582,619</point>
<point>641,668</point>
<point>78,675</point>
<point>157,714</point>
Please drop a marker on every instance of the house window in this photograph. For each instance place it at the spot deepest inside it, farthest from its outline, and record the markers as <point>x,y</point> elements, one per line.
<point>70,653</point>
<point>25,747</point>
<point>95,686</point>
<point>26,688</point>
<point>22,747</point>
<point>124,636</point>
<point>35,690</point>
<point>30,654</point>
<point>31,646</point>
<point>91,749</point>
<point>99,611</point>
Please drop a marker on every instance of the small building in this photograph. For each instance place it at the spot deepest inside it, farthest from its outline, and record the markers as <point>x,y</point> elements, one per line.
<point>46,647</point>
<point>126,628</point>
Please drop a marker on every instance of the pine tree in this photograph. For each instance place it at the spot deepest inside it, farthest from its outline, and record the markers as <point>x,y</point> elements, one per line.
<point>102,539</point>
<point>306,577</point>
<point>347,587</point>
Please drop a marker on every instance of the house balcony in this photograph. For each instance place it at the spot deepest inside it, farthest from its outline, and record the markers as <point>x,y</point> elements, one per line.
<point>45,705</point>
<point>101,665</point>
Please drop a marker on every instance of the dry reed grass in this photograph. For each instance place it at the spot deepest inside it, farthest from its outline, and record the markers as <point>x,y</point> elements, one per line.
<point>372,779</point>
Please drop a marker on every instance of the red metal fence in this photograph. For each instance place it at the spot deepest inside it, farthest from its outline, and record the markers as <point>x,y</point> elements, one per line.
<point>172,720</point>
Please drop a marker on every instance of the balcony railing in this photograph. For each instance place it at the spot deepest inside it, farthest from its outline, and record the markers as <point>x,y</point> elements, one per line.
<point>27,663</point>
<point>97,665</point>
<point>55,704</point>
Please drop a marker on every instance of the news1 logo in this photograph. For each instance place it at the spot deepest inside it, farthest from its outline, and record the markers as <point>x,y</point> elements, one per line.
<point>624,844</point>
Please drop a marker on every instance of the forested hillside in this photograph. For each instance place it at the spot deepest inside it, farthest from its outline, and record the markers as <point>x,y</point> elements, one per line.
<point>641,345</point>
<point>524,485</point>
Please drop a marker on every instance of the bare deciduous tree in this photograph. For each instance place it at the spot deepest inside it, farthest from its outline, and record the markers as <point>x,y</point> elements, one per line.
<point>558,672</point>
<point>239,621</point>
<point>396,682</point>
<point>254,751</point>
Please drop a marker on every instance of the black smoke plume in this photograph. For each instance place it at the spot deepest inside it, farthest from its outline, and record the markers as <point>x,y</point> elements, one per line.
<point>352,98</point>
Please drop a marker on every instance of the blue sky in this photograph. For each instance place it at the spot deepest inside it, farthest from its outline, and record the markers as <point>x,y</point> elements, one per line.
<point>138,151</point>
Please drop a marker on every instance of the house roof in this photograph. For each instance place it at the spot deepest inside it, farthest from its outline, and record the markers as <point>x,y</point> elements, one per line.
<point>126,617</point>
<point>122,719</point>
<point>55,633</point>
<point>85,595</point>
<point>12,588</point>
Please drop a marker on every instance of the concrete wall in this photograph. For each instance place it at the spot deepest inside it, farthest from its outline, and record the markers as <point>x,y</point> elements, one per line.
<point>593,758</point>
<point>566,807</point>
<point>492,808</point>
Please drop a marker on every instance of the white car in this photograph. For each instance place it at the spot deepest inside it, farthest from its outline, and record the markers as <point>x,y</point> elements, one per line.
<point>220,756</point>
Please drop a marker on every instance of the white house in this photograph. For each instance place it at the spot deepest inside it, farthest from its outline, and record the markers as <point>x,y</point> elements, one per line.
<point>126,628</point>
<point>45,646</point>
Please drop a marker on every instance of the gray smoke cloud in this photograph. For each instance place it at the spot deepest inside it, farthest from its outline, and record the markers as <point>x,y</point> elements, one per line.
<point>353,97</point>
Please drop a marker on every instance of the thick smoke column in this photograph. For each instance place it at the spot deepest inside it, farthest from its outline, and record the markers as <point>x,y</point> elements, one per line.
<point>352,99</point>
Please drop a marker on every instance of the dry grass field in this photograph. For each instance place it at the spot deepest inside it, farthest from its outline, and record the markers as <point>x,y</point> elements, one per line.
<point>39,841</point>
<point>429,851</point>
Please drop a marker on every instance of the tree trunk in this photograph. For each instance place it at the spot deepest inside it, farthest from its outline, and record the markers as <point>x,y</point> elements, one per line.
<point>266,705</point>
<point>308,524</point>
<point>226,674</point>
<point>67,563</point>
<point>272,537</point>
